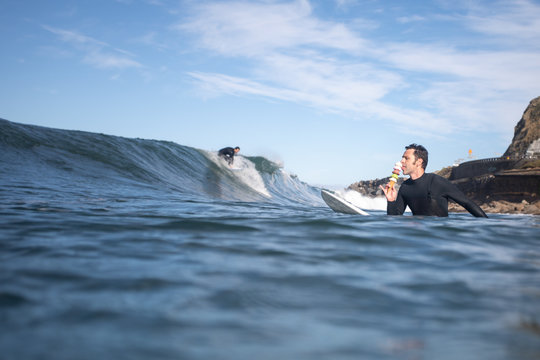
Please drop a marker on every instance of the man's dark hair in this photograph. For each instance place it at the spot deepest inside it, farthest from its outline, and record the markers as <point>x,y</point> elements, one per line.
<point>420,152</point>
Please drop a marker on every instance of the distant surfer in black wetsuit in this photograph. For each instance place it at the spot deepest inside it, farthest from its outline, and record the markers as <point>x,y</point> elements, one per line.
<point>228,154</point>
<point>425,194</point>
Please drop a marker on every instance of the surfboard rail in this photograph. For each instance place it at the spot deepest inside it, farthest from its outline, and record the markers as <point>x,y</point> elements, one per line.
<point>339,204</point>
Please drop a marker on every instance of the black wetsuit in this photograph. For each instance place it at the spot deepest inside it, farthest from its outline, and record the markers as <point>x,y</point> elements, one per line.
<point>428,195</point>
<point>228,154</point>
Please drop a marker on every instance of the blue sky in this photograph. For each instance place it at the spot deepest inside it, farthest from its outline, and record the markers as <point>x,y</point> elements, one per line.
<point>334,90</point>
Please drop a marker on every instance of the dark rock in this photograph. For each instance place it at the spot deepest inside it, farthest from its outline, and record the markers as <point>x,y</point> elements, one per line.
<point>526,131</point>
<point>371,187</point>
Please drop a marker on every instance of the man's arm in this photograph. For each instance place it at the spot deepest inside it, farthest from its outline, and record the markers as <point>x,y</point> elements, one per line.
<point>459,197</point>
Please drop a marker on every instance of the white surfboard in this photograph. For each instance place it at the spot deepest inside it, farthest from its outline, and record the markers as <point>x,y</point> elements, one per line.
<point>339,204</point>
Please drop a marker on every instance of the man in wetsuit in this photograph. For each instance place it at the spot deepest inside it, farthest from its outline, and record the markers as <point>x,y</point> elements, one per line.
<point>228,154</point>
<point>425,194</point>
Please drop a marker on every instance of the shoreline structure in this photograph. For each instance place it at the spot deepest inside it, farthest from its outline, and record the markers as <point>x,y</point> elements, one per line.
<point>508,184</point>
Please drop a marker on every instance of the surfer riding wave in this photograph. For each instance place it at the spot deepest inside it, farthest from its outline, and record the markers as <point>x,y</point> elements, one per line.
<point>228,153</point>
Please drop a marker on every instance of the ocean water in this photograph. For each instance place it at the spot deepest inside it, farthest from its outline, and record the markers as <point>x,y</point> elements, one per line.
<point>115,248</point>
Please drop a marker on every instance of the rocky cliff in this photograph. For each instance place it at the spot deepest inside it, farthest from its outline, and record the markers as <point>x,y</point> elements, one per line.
<point>510,184</point>
<point>526,132</point>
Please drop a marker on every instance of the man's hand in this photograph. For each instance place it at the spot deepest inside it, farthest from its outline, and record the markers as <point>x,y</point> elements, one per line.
<point>389,192</point>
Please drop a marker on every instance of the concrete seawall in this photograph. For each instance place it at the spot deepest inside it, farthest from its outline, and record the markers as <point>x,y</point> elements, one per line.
<point>506,185</point>
<point>496,181</point>
<point>481,167</point>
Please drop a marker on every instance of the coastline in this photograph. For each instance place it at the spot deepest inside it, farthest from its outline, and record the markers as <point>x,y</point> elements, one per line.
<point>509,184</point>
<point>502,207</point>
<point>513,191</point>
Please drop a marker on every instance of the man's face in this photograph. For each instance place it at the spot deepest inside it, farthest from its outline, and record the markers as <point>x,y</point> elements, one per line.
<point>409,163</point>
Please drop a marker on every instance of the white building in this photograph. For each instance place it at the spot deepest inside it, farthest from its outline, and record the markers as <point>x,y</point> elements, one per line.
<point>534,149</point>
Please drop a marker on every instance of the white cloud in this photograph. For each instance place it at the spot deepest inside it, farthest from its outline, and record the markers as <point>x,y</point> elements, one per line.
<point>345,3</point>
<point>150,39</point>
<point>95,52</point>
<point>251,29</point>
<point>74,37</point>
<point>511,20</point>
<point>292,55</point>
<point>105,61</point>
<point>505,69</point>
<point>409,19</point>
